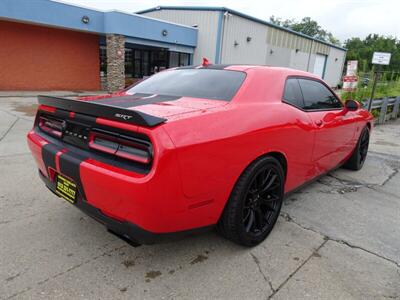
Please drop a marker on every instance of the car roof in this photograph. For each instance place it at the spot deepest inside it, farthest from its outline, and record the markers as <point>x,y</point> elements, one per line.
<point>244,68</point>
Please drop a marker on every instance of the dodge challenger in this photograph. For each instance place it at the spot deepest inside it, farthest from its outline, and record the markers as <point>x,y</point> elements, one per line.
<point>196,147</point>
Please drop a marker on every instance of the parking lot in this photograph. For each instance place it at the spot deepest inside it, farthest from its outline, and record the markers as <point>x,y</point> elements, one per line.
<point>338,238</point>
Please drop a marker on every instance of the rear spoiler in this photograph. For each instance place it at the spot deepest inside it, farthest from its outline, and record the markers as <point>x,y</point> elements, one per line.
<point>102,110</point>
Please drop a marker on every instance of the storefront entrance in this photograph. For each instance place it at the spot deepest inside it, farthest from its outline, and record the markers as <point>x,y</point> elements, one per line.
<point>142,61</point>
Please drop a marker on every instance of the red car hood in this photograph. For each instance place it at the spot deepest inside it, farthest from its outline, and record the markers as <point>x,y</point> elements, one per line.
<point>169,107</point>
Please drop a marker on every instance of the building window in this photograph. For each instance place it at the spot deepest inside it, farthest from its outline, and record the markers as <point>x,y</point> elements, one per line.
<point>128,63</point>
<point>140,63</point>
<point>103,61</point>
<point>178,59</point>
<point>173,59</point>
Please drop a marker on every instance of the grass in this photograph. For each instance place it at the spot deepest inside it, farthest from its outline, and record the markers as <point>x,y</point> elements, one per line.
<point>383,89</point>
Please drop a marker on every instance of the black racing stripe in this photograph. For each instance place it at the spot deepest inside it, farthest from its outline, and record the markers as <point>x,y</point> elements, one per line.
<point>84,119</point>
<point>210,66</point>
<point>132,101</point>
<point>80,118</point>
<point>61,113</point>
<point>217,67</point>
<point>49,152</point>
<point>187,67</point>
<point>70,165</point>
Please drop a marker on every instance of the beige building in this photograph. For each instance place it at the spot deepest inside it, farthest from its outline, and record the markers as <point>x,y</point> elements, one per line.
<point>229,37</point>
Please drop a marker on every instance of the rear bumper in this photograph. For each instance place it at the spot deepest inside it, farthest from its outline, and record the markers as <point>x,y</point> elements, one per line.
<point>129,232</point>
<point>140,208</point>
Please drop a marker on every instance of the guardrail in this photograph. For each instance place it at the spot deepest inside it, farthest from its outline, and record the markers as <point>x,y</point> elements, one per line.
<point>389,108</point>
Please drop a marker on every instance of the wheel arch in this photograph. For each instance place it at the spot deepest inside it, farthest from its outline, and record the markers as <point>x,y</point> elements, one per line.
<point>279,156</point>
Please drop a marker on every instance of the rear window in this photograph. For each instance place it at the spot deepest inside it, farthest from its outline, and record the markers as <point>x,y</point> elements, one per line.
<point>196,83</point>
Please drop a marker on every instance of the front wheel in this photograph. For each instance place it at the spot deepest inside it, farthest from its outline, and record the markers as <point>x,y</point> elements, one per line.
<point>357,159</point>
<point>254,204</point>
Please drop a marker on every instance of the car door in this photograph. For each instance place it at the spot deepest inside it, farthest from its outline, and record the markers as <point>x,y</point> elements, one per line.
<point>334,128</point>
<point>300,136</point>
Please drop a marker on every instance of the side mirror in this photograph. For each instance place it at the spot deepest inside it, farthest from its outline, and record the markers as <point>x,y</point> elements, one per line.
<point>352,105</point>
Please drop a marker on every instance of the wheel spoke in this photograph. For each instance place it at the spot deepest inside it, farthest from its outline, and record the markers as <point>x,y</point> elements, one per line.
<point>260,218</point>
<point>251,221</point>
<point>246,215</point>
<point>269,184</point>
<point>269,205</point>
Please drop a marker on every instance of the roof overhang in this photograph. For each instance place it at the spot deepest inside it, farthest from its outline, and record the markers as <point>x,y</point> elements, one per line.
<point>237,13</point>
<point>70,17</point>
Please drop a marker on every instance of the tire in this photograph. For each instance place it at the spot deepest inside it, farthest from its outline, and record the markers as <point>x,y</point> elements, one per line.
<point>357,159</point>
<point>254,204</point>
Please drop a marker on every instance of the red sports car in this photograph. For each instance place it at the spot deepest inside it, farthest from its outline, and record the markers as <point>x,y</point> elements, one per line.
<point>196,147</point>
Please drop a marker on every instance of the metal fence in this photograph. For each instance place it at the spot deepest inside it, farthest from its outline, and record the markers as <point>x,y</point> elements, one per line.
<point>388,107</point>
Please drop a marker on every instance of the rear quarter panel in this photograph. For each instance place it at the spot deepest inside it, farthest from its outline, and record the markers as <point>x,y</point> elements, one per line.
<point>214,148</point>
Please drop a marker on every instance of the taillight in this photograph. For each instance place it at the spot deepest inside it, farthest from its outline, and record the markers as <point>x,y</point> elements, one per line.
<point>124,147</point>
<point>51,126</point>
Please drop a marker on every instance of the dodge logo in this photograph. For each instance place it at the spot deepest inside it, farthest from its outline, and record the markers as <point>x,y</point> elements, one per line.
<point>121,116</point>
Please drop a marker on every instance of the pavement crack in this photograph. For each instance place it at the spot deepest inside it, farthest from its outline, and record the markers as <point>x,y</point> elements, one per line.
<point>395,172</point>
<point>9,129</point>
<point>14,115</point>
<point>257,262</point>
<point>297,269</point>
<point>19,293</point>
<point>69,269</point>
<point>288,218</point>
<point>82,263</point>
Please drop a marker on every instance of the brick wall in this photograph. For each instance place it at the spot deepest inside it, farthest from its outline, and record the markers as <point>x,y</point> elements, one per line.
<point>40,58</point>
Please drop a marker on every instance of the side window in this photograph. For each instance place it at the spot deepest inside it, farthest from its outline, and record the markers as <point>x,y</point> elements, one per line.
<point>318,96</point>
<point>292,93</point>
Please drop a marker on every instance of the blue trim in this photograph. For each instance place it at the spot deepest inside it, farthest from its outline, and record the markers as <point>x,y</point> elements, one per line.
<point>237,13</point>
<point>219,38</point>
<point>66,16</point>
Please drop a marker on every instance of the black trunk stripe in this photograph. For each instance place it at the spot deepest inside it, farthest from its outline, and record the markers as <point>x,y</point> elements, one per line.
<point>70,166</point>
<point>49,152</point>
<point>132,101</point>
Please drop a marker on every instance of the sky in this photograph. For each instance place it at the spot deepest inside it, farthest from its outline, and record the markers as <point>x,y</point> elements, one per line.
<point>344,18</point>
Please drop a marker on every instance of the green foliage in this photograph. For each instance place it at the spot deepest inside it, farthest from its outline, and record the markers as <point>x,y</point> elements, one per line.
<point>363,49</point>
<point>307,26</point>
<point>388,85</point>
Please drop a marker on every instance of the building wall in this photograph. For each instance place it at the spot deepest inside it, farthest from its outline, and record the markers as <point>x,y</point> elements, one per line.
<point>235,31</point>
<point>207,24</point>
<point>268,46</point>
<point>40,58</point>
<point>334,66</point>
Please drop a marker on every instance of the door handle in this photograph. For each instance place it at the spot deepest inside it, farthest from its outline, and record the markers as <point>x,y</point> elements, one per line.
<point>318,123</point>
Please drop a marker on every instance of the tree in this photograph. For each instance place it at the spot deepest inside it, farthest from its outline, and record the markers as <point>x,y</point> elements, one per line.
<point>307,26</point>
<point>363,49</point>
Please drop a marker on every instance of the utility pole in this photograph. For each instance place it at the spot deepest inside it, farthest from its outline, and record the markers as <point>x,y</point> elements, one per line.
<point>376,77</point>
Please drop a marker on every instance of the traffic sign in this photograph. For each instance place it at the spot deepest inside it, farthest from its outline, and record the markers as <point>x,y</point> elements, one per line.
<point>381,58</point>
<point>350,83</point>
<point>351,67</point>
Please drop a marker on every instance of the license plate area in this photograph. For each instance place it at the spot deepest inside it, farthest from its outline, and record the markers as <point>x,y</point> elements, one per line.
<point>66,188</point>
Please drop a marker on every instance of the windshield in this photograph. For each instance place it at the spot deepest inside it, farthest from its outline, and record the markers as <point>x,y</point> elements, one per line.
<point>196,83</point>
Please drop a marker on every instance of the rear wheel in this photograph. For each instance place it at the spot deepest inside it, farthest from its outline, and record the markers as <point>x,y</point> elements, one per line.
<point>254,204</point>
<point>357,159</point>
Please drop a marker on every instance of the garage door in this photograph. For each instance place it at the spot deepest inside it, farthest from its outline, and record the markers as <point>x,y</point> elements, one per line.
<point>319,65</point>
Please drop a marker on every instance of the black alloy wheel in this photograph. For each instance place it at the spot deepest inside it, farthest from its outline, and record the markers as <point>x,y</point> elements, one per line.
<point>255,203</point>
<point>357,159</point>
<point>363,149</point>
<point>262,200</point>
